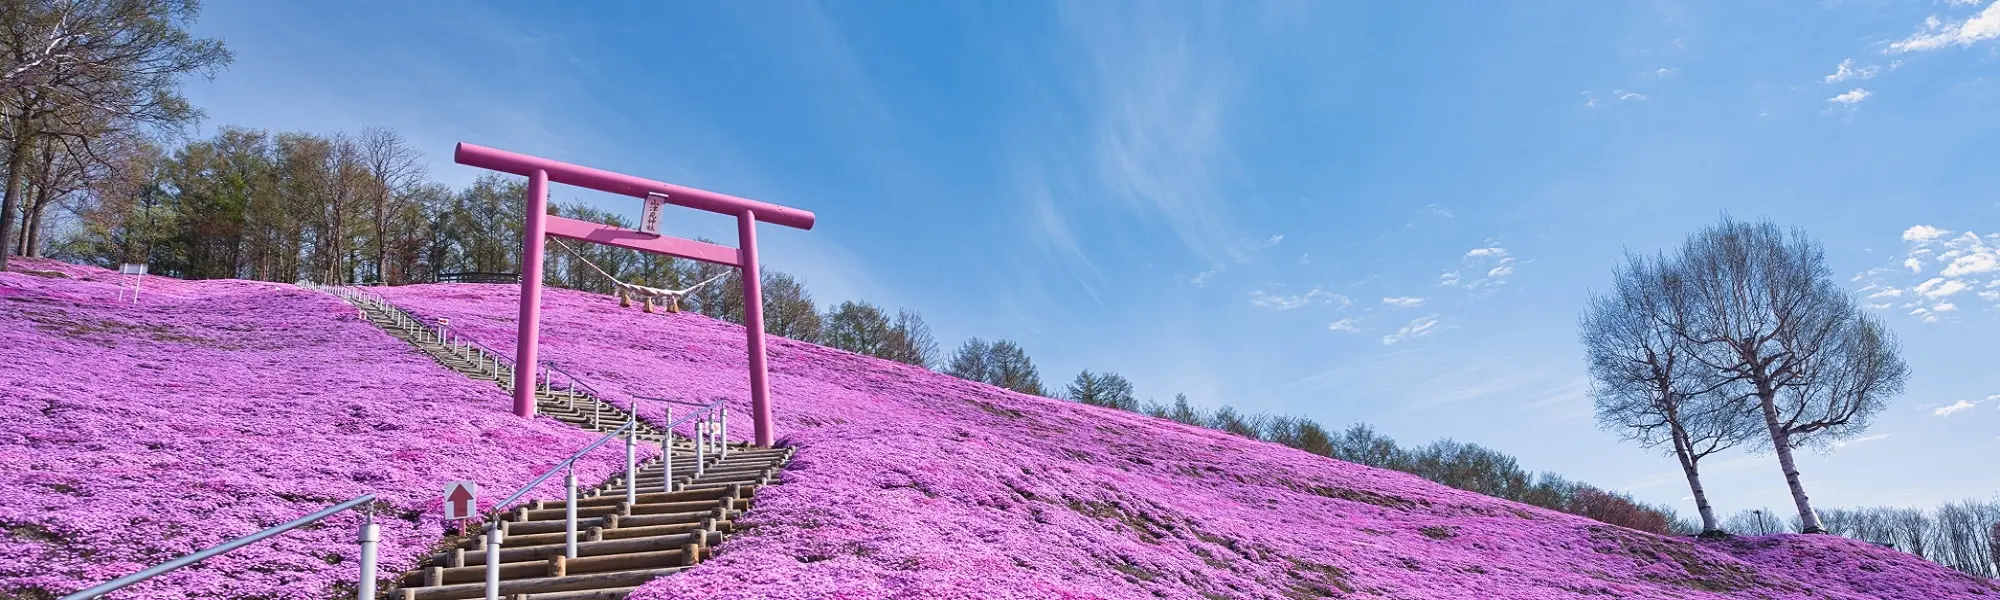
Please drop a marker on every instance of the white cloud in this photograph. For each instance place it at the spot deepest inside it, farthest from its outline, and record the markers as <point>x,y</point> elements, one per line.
<point>1273,240</point>
<point>1916,266</point>
<point>1945,411</point>
<point>1404,301</point>
<point>1262,300</point>
<point>1349,325</point>
<point>1203,278</point>
<point>1851,97</point>
<point>1939,287</point>
<point>1306,259</point>
<point>1438,211</point>
<point>1862,440</point>
<point>1887,293</point>
<point>1923,233</point>
<point>1155,104</point>
<point>1969,257</point>
<point>1420,327</point>
<point>1937,34</point>
<point>1845,71</point>
<point>1625,95</point>
<point>1978,260</point>
<point>1665,72</point>
<point>1501,266</point>
<point>1944,307</point>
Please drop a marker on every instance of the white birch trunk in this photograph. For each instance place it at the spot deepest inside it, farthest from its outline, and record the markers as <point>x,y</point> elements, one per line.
<point>1781,442</point>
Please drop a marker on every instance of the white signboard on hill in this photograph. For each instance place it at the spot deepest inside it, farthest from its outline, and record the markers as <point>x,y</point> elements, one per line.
<point>138,272</point>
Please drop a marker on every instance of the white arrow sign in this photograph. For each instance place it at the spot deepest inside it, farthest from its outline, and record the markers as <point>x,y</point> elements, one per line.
<point>460,498</point>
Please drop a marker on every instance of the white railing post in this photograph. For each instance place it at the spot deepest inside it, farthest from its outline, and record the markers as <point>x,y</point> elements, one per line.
<point>667,453</point>
<point>493,535</point>
<point>371,534</point>
<point>722,432</point>
<point>569,514</point>
<point>700,447</point>
<point>631,464</point>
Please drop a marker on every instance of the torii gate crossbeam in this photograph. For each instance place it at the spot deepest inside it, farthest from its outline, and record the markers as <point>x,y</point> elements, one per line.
<point>541,171</point>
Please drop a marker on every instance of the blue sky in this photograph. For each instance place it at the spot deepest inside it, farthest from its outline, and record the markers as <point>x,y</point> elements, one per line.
<point>1380,212</point>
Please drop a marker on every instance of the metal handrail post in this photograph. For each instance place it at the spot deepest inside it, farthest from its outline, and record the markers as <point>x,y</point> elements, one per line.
<point>631,464</point>
<point>667,454</point>
<point>700,449</point>
<point>569,515</point>
<point>371,535</point>
<point>722,432</point>
<point>493,535</point>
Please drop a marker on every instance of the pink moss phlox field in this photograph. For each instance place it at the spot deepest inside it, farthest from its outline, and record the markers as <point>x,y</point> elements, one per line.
<point>911,484</point>
<point>134,434</point>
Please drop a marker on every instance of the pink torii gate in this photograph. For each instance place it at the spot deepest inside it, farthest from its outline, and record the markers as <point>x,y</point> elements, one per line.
<point>541,171</point>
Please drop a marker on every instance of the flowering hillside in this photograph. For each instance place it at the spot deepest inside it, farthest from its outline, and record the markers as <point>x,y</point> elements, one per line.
<point>911,484</point>
<point>133,434</point>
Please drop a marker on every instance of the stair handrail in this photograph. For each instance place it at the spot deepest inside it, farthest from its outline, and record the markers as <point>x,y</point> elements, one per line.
<point>673,401</point>
<point>496,534</point>
<point>574,380</point>
<point>370,536</point>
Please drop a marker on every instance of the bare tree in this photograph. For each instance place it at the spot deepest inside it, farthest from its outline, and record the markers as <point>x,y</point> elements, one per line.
<point>394,168</point>
<point>1993,545</point>
<point>74,66</point>
<point>1647,385</point>
<point>1763,312</point>
<point>910,340</point>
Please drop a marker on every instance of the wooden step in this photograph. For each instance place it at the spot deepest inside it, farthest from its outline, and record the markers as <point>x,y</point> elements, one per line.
<point>594,581</point>
<point>509,553</point>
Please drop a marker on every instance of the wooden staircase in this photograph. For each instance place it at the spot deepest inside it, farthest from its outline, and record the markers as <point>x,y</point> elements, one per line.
<point>620,545</point>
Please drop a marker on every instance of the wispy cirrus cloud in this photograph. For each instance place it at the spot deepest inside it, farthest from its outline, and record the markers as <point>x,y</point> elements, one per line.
<point>1269,301</point>
<point>1954,408</point>
<point>1875,437</point>
<point>1403,301</point>
<point>1157,101</point>
<point>1348,325</point>
<point>1416,328</point>
<point>1593,99</point>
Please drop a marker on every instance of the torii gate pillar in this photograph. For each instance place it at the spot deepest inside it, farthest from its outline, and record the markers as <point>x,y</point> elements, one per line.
<point>541,171</point>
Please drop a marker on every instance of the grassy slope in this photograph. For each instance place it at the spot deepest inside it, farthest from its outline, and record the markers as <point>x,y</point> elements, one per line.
<point>130,435</point>
<point>911,484</point>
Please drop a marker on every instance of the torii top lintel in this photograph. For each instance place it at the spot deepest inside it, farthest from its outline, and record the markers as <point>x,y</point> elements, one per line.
<point>627,185</point>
